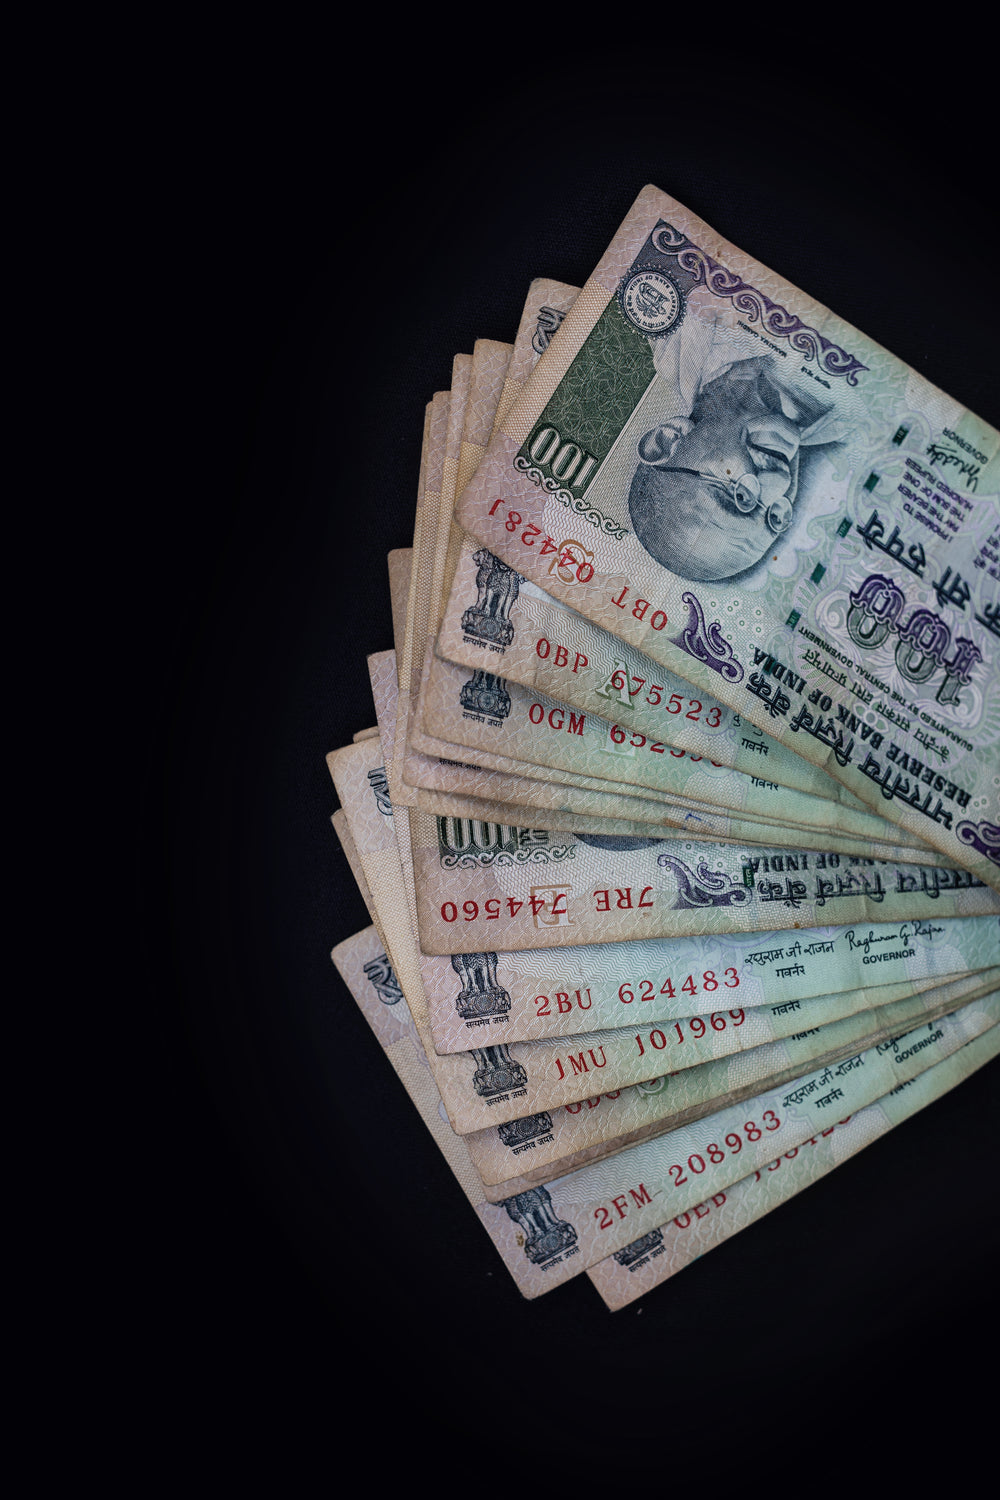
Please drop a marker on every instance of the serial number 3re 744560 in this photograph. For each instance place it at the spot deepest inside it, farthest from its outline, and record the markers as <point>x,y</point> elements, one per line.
<point>620,899</point>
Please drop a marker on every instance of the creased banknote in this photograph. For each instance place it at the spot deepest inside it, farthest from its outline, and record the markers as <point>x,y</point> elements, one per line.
<point>544,1079</point>
<point>507,996</point>
<point>452,452</point>
<point>451,781</point>
<point>443,439</point>
<point>622,684</point>
<point>583,1131</point>
<point>660,1254</point>
<point>704,797</point>
<point>376,990</point>
<point>365,967</point>
<point>486,886</point>
<point>777,509</point>
<point>449,788</point>
<point>382,844</point>
<point>498,1083</point>
<point>473,402</point>
<point>559,656</point>
<point>437,800</point>
<point>496,1079</point>
<point>510,729</point>
<point>580,1219</point>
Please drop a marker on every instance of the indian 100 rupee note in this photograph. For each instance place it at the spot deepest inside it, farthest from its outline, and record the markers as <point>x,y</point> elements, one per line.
<point>451,794</point>
<point>510,996</point>
<point>384,1006</point>
<point>562,1138</point>
<point>579,1219</point>
<point>572,1135</point>
<point>631,1107</point>
<point>483,886</point>
<point>665,711</point>
<point>501,1083</point>
<point>510,729</point>
<point>648,1262</point>
<point>411,773</point>
<point>777,509</point>
<point>449,788</point>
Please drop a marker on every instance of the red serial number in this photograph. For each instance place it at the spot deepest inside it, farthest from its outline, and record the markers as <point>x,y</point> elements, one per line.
<point>696,1163</point>
<point>621,683</point>
<point>557,907</point>
<point>619,736</point>
<point>626,994</point>
<point>491,909</point>
<point>696,1027</point>
<point>529,538</point>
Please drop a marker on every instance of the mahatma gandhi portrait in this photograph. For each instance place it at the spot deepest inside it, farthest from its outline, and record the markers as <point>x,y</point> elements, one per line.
<point>714,491</point>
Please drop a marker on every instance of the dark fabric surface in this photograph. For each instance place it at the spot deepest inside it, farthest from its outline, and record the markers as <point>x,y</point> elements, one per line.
<point>331,249</point>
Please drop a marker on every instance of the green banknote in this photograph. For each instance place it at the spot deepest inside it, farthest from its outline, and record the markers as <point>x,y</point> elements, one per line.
<point>775,508</point>
<point>493,1089</point>
<point>464,791</point>
<point>535,735</point>
<point>483,885</point>
<point>497,1083</point>
<point>537,1246</point>
<point>453,788</point>
<point>478,998</point>
<point>631,1108</point>
<point>708,729</point>
<point>706,1069</point>
<point>577,1220</point>
<point>498,724</point>
<point>434,767</point>
<point>664,1251</point>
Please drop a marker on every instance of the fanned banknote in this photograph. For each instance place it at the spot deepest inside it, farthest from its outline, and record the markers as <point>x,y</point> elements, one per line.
<point>587,1215</point>
<point>777,509</point>
<point>482,884</point>
<point>679,826</point>
<point>511,996</point>
<point>543,1233</point>
<point>379,815</point>
<point>623,683</point>
<point>506,728</point>
<point>572,1134</point>
<point>660,1254</point>
<point>618,1117</point>
<point>453,789</point>
<point>500,1083</point>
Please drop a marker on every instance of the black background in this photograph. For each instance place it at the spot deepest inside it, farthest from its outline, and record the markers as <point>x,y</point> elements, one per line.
<point>328,231</point>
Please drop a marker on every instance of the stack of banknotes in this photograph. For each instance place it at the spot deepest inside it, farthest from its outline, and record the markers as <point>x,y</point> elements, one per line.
<point>680,826</point>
